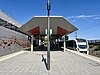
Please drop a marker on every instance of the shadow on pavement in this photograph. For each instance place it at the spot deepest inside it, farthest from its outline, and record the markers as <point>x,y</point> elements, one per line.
<point>44,60</point>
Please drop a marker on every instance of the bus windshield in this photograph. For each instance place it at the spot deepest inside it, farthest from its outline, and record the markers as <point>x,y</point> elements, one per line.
<point>82,46</point>
<point>81,40</point>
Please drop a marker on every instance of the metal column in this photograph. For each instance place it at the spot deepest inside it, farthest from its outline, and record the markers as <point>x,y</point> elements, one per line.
<point>64,43</point>
<point>31,43</point>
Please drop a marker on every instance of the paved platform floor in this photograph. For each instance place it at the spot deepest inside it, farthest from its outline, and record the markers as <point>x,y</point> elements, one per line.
<point>62,63</point>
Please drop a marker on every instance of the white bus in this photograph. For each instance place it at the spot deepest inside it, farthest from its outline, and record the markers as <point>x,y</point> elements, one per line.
<point>81,45</point>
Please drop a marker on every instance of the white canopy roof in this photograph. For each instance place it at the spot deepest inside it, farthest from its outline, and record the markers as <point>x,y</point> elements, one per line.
<point>38,24</point>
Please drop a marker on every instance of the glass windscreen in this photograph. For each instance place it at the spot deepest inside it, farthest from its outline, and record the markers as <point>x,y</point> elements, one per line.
<point>82,46</point>
<point>81,40</point>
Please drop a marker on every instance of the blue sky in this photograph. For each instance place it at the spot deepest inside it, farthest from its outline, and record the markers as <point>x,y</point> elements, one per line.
<point>84,14</point>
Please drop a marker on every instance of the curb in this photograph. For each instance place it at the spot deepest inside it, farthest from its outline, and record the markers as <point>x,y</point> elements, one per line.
<point>3,58</point>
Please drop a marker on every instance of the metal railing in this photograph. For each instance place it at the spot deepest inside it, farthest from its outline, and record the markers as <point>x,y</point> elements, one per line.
<point>9,16</point>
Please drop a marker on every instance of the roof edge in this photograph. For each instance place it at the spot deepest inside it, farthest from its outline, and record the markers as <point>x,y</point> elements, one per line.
<point>47,16</point>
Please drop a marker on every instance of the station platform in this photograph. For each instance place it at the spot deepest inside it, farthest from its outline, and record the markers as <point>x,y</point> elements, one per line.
<point>62,63</point>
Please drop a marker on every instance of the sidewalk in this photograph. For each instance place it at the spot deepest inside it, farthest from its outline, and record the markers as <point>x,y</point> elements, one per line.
<point>62,63</point>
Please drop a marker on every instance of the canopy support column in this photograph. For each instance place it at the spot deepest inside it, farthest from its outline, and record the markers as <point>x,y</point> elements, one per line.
<point>64,44</point>
<point>32,43</point>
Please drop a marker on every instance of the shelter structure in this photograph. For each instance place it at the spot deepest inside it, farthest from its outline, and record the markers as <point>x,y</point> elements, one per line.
<point>37,26</point>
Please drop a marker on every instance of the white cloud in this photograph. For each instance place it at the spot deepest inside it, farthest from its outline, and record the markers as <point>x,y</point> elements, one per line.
<point>97,18</point>
<point>84,17</point>
<point>74,21</point>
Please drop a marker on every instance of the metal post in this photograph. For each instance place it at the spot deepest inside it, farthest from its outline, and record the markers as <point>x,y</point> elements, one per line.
<point>75,34</point>
<point>64,43</point>
<point>48,35</point>
<point>31,43</point>
<point>88,48</point>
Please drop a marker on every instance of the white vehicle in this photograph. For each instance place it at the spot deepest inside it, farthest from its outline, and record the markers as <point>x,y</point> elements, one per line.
<point>81,45</point>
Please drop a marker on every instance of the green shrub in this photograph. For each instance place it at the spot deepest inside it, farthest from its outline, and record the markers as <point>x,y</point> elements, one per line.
<point>91,46</point>
<point>98,48</point>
